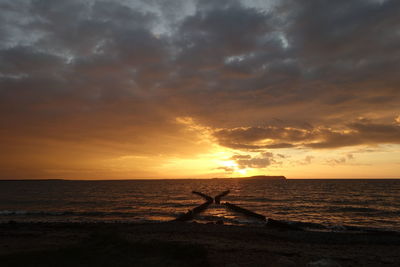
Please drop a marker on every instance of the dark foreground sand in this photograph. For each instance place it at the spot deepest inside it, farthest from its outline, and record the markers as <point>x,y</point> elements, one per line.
<point>189,244</point>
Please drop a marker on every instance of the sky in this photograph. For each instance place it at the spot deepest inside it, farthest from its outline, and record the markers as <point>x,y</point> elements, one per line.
<point>122,89</point>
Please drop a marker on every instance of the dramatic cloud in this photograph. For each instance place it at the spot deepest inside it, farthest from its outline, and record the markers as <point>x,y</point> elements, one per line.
<point>84,82</point>
<point>274,137</point>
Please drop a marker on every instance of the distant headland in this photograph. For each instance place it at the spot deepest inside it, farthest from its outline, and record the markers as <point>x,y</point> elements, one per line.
<point>266,177</point>
<point>256,177</point>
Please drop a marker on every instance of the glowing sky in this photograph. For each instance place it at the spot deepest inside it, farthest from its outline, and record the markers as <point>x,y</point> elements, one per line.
<point>93,89</point>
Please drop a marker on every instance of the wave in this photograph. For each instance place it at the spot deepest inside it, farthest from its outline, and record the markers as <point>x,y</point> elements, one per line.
<point>229,220</point>
<point>353,209</point>
<point>63,213</point>
<point>309,226</point>
<point>155,217</point>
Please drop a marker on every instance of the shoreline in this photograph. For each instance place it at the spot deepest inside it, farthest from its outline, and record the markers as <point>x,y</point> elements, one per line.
<point>196,245</point>
<point>254,223</point>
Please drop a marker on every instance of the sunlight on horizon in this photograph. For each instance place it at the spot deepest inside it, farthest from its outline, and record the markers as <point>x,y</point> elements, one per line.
<point>131,89</point>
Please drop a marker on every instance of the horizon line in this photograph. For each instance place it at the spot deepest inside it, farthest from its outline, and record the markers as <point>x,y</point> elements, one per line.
<point>143,179</point>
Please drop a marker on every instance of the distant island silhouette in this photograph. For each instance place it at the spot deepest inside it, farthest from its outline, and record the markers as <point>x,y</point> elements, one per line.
<point>267,177</point>
<point>259,177</point>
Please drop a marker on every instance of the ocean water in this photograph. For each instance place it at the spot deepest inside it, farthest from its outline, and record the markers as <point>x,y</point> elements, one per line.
<point>316,203</point>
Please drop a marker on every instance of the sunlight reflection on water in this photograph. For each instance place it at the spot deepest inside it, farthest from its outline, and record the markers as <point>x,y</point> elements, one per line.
<point>371,203</point>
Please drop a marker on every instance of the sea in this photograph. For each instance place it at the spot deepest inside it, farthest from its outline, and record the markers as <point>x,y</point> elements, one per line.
<point>314,204</point>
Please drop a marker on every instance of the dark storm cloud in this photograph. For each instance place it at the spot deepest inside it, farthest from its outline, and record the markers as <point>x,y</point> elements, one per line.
<point>223,32</point>
<point>349,45</point>
<point>122,71</point>
<point>288,64</point>
<point>88,61</point>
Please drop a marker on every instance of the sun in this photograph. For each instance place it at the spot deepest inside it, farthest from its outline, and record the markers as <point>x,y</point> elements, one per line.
<point>242,171</point>
<point>233,166</point>
<point>229,164</point>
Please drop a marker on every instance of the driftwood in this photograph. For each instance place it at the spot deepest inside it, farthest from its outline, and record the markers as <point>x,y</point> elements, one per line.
<point>201,208</point>
<point>185,217</point>
<point>244,211</point>
<point>206,197</point>
<point>191,213</point>
<point>209,200</point>
<point>217,198</point>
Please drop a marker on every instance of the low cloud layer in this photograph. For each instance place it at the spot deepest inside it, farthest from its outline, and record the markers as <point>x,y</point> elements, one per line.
<point>357,133</point>
<point>111,77</point>
<point>247,161</point>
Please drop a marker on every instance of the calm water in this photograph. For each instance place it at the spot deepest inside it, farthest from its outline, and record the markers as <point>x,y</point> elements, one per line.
<point>329,203</point>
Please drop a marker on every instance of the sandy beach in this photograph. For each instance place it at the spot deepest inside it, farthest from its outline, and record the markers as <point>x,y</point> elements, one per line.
<point>189,244</point>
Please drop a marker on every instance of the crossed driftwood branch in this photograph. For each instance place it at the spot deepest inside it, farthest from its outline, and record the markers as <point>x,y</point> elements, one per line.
<point>217,199</point>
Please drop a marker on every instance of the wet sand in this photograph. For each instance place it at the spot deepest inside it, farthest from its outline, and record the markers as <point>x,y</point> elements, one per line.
<point>189,244</point>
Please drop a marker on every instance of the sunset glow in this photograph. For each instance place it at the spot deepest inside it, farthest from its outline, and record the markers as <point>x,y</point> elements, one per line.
<point>199,89</point>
